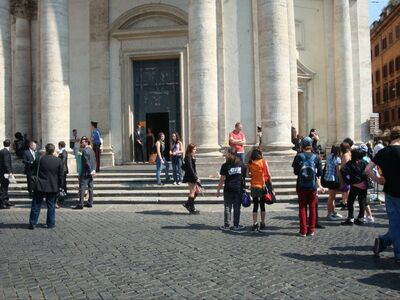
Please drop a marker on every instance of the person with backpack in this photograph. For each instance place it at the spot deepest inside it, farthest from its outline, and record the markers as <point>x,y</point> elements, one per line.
<point>259,173</point>
<point>307,166</point>
<point>330,180</point>
<point>353,173</point>
<point>232,178</point>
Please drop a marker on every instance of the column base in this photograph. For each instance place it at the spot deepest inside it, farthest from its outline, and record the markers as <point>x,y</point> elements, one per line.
<point>279,149</point>
<point>107,158</point>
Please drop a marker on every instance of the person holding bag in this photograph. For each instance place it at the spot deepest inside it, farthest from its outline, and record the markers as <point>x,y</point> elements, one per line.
<point>48,182</point>
<point>232,177</point>
<point>258,171</point>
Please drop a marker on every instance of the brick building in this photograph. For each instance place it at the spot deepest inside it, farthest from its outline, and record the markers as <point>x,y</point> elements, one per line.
<point>385,55</point>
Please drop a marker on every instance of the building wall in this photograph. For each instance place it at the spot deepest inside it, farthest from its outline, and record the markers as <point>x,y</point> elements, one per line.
<point>386,89</point>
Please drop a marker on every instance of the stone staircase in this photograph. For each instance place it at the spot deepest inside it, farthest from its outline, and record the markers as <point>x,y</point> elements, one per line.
<point>135,183</point>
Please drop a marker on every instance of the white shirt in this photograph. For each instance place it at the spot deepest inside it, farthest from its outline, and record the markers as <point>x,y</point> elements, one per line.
<point>33,153</point>
<point>377,148</point>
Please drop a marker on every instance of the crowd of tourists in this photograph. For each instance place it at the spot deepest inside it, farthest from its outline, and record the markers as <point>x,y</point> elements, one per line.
<point>349,170</point>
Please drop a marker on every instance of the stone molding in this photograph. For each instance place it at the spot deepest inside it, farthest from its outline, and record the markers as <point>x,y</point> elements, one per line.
<point>124,26</point>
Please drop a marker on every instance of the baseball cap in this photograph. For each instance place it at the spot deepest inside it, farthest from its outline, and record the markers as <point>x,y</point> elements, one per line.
<point>363,148</point>
<point>306,141</point>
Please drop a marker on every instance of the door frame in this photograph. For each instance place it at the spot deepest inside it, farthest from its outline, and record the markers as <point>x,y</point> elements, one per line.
<point>127,93</point>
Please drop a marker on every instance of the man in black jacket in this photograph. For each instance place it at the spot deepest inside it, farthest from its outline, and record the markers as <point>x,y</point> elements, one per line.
<point>49,182</point>
<point>139,140</point>
<point>30,160</point>
<point>88,171</point>
<point>5,173</point>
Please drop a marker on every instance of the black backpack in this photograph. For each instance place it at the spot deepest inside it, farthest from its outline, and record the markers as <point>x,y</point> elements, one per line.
<point>354,172</point>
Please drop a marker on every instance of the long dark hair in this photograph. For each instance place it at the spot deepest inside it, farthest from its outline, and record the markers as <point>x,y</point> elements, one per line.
<point>335,151</point>
<point>256,154</point>
<point>189,149</point>
<point>231,157</point>
<point>178,138</point>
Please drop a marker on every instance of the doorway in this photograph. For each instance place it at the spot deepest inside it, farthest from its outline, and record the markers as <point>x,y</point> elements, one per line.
<point>157,96</point>
<point>159,122</point>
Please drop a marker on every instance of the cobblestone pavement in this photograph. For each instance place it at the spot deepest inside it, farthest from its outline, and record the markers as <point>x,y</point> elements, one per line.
<point>125,252</point>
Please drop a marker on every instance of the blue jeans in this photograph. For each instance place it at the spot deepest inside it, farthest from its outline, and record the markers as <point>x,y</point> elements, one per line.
<point>177,168</point>
<point>235,200</point>
<point>241,156</point>
<point>158,170</point>
<point>37,204</point>
<point>393,235</point>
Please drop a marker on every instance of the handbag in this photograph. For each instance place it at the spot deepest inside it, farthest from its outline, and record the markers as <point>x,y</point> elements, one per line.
<point>34,180</point>
<point>246,199</point>
<point>152,158</point>
<point>269,194</point>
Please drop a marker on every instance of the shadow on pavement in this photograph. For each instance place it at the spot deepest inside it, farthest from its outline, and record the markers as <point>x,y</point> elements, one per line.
<point>353,248</point>
<point>161,212</point>
<point>14,226</point>
<point>385,280</point>
<point>193,227</point>
<point>347,261</point>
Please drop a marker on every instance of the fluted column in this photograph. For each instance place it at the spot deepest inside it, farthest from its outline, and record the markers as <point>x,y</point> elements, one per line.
<point>5,72</point>
<point>293,66</point>
<point>54,71</point>
<point>275,75</point>
<point>22,67</point>
<point>203,75</point>
<point>343,71</point>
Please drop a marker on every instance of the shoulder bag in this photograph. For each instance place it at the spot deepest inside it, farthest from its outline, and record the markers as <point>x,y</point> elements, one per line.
<point>269,194</point>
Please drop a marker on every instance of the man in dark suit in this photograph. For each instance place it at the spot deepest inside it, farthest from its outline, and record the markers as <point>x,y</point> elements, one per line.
<point>88,171</point>
<point>5,173</point>
<point>50,175</point>
<point>139,140</point>
<point>30,160</point>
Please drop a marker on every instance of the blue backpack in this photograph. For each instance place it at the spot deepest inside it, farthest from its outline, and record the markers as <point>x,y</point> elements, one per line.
<point>308,172</point>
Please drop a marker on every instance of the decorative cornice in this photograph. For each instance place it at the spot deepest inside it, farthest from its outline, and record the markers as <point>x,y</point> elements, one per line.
<point>23,8</point>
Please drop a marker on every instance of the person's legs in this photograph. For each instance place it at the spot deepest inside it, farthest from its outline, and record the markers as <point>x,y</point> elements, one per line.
<point>28,180</point>
<point>158,170</point>
<point>35,207</point>
<point>90,188</point>
<point>393,212</point>
<point>331,202</point>
<point>136,150</point>
<point>237,203</point>
<point>312,204</point>
<point>362,199</point>
<point>302,210</point>
<point>262,209</point>
<point>350,202</point>
<point>255,209</point>
<point>179,164</point>
<point>166,169</point>
<point>96,149</point>
<point>82,189</point>
<point>51,211</point>
<point>3,192</point>
<point>228,203</point>
<point>174,169</point>
<point>141,153</point>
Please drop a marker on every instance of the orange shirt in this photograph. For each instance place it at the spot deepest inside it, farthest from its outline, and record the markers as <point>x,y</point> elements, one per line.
<point>256,170</point>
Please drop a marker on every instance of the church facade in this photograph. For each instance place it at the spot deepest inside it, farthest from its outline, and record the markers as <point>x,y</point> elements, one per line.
<point>195,67</point>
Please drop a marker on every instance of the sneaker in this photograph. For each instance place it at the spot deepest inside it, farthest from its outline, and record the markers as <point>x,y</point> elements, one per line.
<point>238,228</point>
<point>225,227</point>
<point>78,207</point>
<point>358,222</point>
<point>311,233</point>
<point>255,227</point>
<point>302,234</point>
<point>174,183</point>
<point>88,205</point>
<point>349,222</point>
<point>369,220</point>
<point>335,216</point>
<point>179,183</point>
<point>262,226</point>
<point>378,246</point>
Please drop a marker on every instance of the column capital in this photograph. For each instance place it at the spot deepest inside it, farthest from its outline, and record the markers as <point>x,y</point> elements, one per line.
<point>23,8</point>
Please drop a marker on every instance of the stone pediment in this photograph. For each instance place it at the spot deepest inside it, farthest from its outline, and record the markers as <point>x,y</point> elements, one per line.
<point>303,72</point>
<point>150,20</point>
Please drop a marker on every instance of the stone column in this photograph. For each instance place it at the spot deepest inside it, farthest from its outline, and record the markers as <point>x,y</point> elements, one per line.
<point>5,72</point>
<point>54,71</point>
<point>21,73</point>
<point>275,76</point>
<point>293,66</point>
<point>343,71</point>
<point>203,70</point>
